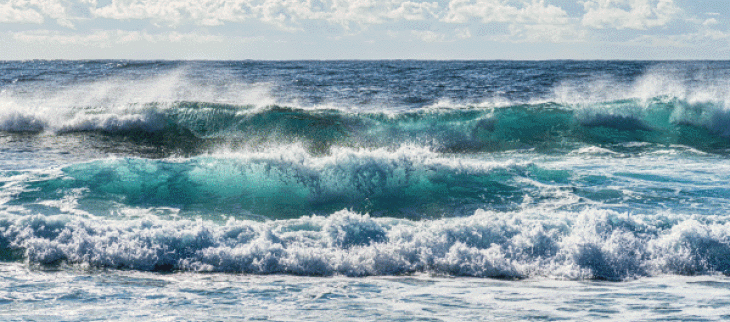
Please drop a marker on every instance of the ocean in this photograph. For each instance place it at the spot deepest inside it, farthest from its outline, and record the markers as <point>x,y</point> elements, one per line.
<point>364,190</point>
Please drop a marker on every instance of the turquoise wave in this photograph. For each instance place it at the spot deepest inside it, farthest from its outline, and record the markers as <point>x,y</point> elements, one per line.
<point>412,184</point>
<point>194,127</point>
<point>545,126</point>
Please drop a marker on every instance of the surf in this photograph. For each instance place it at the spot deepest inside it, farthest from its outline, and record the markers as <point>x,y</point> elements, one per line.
<point>593,244</point>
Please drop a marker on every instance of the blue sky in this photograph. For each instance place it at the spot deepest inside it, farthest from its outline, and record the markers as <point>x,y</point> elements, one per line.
<point>365,29</point>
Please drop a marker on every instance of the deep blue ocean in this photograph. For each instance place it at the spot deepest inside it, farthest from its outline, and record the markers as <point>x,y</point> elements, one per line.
<point>364,190</point>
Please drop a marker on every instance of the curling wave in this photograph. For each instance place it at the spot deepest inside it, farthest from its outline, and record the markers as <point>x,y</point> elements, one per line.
<point>410,182</point>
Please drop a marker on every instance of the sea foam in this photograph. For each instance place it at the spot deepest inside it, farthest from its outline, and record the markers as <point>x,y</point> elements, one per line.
<point>593,244</point>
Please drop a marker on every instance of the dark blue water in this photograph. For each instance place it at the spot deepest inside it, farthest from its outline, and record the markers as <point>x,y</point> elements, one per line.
<point>386,84</point>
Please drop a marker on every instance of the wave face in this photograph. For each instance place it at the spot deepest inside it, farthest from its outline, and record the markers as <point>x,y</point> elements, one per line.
<point>569,170</point>
<point>410,182</point>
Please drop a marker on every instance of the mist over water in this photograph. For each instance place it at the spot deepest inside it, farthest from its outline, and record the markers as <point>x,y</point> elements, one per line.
<point>516,171</point>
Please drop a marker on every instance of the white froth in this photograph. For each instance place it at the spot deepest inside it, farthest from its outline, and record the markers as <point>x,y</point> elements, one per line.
<point>698,99</point>
<point>115,105</point>
<point>485,103</point>
<point>599,244</point>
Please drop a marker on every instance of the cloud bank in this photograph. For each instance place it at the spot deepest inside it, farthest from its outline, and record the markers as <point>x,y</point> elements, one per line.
<point>430,28</point>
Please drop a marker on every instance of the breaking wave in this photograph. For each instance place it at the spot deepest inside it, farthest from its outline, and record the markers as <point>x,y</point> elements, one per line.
<point>410,182</point>
<point>545,126</point>
<point>684,106</point>
<point>593,244</point>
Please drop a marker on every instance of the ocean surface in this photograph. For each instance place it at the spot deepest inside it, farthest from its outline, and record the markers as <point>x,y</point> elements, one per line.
<point>364,190</point>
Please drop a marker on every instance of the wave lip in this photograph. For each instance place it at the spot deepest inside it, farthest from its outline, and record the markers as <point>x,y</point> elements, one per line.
<point>597,244</point>
<point>150,122</point>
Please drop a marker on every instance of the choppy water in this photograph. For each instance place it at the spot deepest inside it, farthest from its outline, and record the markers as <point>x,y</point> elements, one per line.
<point>364,190</point>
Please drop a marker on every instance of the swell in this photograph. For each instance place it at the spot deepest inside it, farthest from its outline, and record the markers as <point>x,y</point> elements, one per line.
<point>410,182</point>
<point>549,127</point>
<point>592,244</point>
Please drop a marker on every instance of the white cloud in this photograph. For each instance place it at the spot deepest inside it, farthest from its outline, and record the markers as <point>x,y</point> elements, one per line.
<point>715,35</point>
<point>542,33</point>
<point>188,37</point>
<point>660,23</point>
<point>528,21</point>
<point>701,39</point>
<point>540,13</point>
<point>357,12</point>
<point>55,37</point>
<point>55,10</point>
<point>710,22</point>
<point>536,11</point>
<point>33,11</point>
<point>429,36</point>
<point>629,14</point>
<point>414,11</point>
<point>107,38</point>
<point>134,9</point>
<point>463,33</point>
<point>12,14</point>
<point>285,14</point>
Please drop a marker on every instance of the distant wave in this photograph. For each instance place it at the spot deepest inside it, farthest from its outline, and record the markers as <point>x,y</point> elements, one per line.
<point>593,244</point>
<point>665,105</point>
<point>544,126</point>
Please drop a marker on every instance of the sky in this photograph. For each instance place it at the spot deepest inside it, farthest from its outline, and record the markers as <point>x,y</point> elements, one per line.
<point>364,29</point>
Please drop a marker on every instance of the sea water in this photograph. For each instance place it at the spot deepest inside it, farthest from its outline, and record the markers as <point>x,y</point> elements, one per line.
<point>364,190</point>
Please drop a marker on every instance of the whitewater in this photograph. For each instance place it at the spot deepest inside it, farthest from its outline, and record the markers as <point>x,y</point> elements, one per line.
<point>364,190</point>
